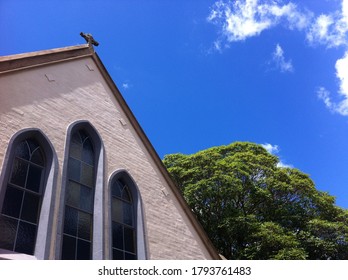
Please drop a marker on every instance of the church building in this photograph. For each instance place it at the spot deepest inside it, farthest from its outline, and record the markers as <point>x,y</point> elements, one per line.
<point>79,179</point>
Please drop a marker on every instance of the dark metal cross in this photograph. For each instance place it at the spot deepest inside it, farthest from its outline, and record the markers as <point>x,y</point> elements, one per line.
<point>89,39</point>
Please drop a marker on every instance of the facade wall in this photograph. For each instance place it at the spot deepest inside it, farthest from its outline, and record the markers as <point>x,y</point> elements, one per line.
<point>53,97</point>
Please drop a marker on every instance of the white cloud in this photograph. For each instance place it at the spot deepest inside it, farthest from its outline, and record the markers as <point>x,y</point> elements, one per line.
<point>217,45</point>
<point>274,150</point>
<point>125,85</point>
<point>345,11</point>
<point>342,75</point>
<point>330,30</point>
<point>320,29</point>
<point>324,95</point>
<point>284,165</point>
<point>279,60</point>
<point>239,20</point>
<point>242,19</point>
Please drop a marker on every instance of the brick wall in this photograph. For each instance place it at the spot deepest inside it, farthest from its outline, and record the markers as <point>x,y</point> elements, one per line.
<point>51,98</point>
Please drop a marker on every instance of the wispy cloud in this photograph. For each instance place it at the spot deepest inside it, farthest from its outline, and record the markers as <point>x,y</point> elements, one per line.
<point>324,95</point>
<point>340,107</point>
<point>241,19</point>
<point>279,60</point>
<point>126,85</point>
<point>274,150</point>
<point>342,74</point>
<point>330,29</point>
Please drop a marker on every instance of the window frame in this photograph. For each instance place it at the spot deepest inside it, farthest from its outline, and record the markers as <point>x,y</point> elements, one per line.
<point>97,216</point>
<point>45,224</point>
<point>141,246</point>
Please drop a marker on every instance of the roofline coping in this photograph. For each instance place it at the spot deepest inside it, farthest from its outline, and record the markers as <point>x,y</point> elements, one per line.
<point>157,160</point>
<point>32,59</point>
<point>42,52</point>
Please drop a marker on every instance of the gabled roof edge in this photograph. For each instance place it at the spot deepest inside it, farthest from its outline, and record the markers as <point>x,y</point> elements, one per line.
<point>34,59</point>
<point>155,157</point>
<point>28,60</point>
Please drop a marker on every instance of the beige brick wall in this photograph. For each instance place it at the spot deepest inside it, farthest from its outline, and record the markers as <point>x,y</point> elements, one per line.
<point>54,96</point>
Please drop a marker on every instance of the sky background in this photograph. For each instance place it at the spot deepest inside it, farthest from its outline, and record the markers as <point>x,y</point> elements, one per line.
<point>199,73</point>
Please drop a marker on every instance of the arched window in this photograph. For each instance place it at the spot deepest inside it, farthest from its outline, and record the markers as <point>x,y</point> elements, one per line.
<point>25,185</point>
<point>124,245</point>
<point>126,222</point>
<point>79,198</point>
<point>27,192</point>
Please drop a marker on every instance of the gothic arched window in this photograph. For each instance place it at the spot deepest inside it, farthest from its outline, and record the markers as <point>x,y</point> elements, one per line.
<point>124,235</point>
<point>20,211</point>
<point>79,198</point>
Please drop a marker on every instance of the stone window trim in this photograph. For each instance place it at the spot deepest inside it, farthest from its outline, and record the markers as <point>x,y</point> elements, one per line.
<point>139,214</point>
<point>98,221</point>
<point>45,226</point>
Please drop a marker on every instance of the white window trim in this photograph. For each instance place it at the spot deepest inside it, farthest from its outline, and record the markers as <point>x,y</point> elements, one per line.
<point>98,224</point>
<point>139,215</point>
<point>44,230</point>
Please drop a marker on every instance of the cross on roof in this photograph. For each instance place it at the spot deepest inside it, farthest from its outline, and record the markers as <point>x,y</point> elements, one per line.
<point>89,39</point>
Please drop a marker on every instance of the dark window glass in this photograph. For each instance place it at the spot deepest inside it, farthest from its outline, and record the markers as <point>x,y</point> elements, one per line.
<point>74,169</point>
<point>128,256</point>
<point>19,172</point>
<point>76,150</point>
<point>123,221</point>
<point>84,226</point>
<point>70,221</point>
<point>34,178</point>
<point>12,202</point>
<point>87,174</point>
<point>127,213</point>
<point>30,210</point>
<point>129,239</point>
<point>8,229</point>
<point>73,194</point>
<point>116,189</point>
<point>22,151</point>
<point>86,199</point>
<point>26,235</point>
<point>117,255</point>
<point>117,235</point>
<point>33,147</point>
<point>88,154</point>
<point>76,139</point>
<point>69,247</point>
<point>116,210</point>
<point>125,195</point>
<point>20,210</point>
<point>78,220</point>
<point>83,250</point>
<point>37,156</point>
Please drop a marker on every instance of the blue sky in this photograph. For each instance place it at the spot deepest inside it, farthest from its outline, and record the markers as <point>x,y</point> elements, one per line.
<point>205,73</point>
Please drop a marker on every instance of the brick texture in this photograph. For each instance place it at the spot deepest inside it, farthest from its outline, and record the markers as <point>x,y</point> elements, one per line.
<point>51,98</point>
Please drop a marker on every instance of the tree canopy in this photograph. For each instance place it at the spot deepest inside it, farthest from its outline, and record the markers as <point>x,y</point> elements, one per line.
<point>251,208</point>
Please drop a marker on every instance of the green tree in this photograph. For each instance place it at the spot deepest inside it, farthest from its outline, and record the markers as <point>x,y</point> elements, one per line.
<point>253,209</point>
